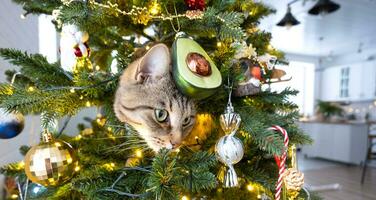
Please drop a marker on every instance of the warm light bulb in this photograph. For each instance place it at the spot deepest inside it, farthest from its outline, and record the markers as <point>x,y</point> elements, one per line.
<point>250,187</point>
<point>155,8</point>
<point>147,47</point>
<point>77,168</point>
<point>88,104</point>
<point>139,154</point>
<point>219,44</point>
<point>14,196</point>
<point>31,89</point>
<point>78,137</point>
<point>259,196</point>
<point>72,90</point>
<point>112,164</point>
<point>184,198</point>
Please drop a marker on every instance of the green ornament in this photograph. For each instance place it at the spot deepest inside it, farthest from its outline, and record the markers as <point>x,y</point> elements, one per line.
<point>194,71</point>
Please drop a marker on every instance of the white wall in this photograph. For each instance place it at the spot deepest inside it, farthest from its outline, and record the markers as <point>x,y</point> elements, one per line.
<point>20,34</point>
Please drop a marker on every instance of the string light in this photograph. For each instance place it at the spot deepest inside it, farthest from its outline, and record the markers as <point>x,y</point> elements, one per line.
<point>72,90</point>
<point>77,168</point>
<point>139,154</point>
<point>250,187</point>
<point>219,44</point>
<point>270,47</point>
<point>147,47</point>
<point>97,68</point>
<point>78,137</point>
<point>155,8</point>
<point>259,196</point>
<point>81,97</point>
<point>112,164</point>
<point>109,129</point>
<point>14,196</point>
<point>184,198</point>
<point>88,104</point>
<point>31,89</point>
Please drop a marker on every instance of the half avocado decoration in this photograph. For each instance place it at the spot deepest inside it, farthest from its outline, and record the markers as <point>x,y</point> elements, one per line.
<point>194,72</point>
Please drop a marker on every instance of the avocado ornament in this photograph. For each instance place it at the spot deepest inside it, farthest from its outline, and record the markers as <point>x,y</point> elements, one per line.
<point>194,72</point>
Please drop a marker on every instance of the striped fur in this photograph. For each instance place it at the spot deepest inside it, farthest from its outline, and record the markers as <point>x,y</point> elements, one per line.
<point>147,85</point>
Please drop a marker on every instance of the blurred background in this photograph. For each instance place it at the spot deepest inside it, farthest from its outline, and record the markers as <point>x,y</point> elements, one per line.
<point>331,49</point>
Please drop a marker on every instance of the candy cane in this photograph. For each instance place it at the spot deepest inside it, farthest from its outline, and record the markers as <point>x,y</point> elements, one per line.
<point>281,161</point>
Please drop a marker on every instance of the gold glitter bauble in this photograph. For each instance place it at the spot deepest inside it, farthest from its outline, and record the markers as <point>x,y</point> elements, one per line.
<point>294,181</point>
<point>51,163</point>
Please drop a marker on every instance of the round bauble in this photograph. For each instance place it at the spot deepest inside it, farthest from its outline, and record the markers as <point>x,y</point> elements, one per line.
<point>11,124</point>
<point>229,150</point>
<point>51,163</point>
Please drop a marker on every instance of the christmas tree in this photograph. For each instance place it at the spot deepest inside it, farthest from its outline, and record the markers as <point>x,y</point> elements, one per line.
<point>218,40</point>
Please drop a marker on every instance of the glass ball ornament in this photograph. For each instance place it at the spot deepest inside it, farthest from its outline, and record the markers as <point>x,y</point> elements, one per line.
<point>11,124</point>
<point>50,163</point>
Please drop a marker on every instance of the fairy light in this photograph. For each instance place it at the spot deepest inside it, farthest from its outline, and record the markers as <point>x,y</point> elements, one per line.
<point>112,164</point>
<point>109,129</point>
<point>219,44</point>
<point>81,97</point>
<point>155,8</point>
<point>250,187</point>
<point>72,90</point>
<point>139,154</point>
<point>147,47</point>
<point>97,68</point>
<point>259,196</point>
<point>77,168</point>
<point>88,104</point>
<point>31,89</point>
<point>184,198</point>
<point>78,137</point>
<point>270,47</point>
<point>14,196</point>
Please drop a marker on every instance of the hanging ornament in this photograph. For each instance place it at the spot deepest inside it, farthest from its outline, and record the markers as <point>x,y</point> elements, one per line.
<point>293,178</point>
<point>251,83</point>
<point>194,71</point>
<point>281,161</point>
<point>195,4</point>
<point>11,124</point>
<point>50,163</point>
<point>229,149</point>
<point>73,45</point>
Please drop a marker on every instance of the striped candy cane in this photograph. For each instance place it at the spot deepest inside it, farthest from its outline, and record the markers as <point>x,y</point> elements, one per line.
<point>281,161</point>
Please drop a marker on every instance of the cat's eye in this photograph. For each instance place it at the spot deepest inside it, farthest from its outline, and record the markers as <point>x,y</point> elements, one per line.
<point>186,121</point>
<point>161,115</point>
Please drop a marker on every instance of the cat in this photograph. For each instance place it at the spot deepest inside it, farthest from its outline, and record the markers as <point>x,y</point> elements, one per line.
<point>148,100</point>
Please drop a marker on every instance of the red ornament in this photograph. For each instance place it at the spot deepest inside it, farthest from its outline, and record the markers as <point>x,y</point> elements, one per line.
<point>77,52</point>
<point>195,4</point>
<point>256,72</point>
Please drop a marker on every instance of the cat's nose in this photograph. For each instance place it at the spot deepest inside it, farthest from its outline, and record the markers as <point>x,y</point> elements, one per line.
<point>174,145</point>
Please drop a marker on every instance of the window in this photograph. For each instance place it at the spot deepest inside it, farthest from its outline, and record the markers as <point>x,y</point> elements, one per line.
<point>344,85</point>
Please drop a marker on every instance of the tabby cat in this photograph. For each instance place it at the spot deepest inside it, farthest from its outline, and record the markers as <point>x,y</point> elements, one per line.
<point>148,100</point>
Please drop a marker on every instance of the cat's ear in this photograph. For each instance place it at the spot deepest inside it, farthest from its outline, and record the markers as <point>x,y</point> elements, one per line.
<point>155,63</point>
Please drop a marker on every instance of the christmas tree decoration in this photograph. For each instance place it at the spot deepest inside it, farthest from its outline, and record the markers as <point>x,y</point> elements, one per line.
<point>11,124</point>
<point>293,178</point>
<point>50,163</point>
<point>229,149</point>
<point>194,14</point>
<point>242,50</point>
<point>195,4</point>
<point>73,45</point>
<point>281,161</point>
<point>194,71</point>
<point>251,83</point>
<point>267,61</point>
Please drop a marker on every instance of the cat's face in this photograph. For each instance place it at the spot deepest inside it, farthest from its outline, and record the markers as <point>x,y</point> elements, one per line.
<point>148,100</point>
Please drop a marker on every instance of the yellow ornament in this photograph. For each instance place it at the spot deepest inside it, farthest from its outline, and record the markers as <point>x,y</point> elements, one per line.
<point>50,163</point>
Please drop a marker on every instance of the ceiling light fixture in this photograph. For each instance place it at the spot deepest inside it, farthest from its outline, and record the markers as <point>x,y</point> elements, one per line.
<point>323,7</point>
<point>288,20</point>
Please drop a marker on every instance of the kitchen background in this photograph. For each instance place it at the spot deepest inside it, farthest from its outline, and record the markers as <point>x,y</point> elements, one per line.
<point>332,62</point>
